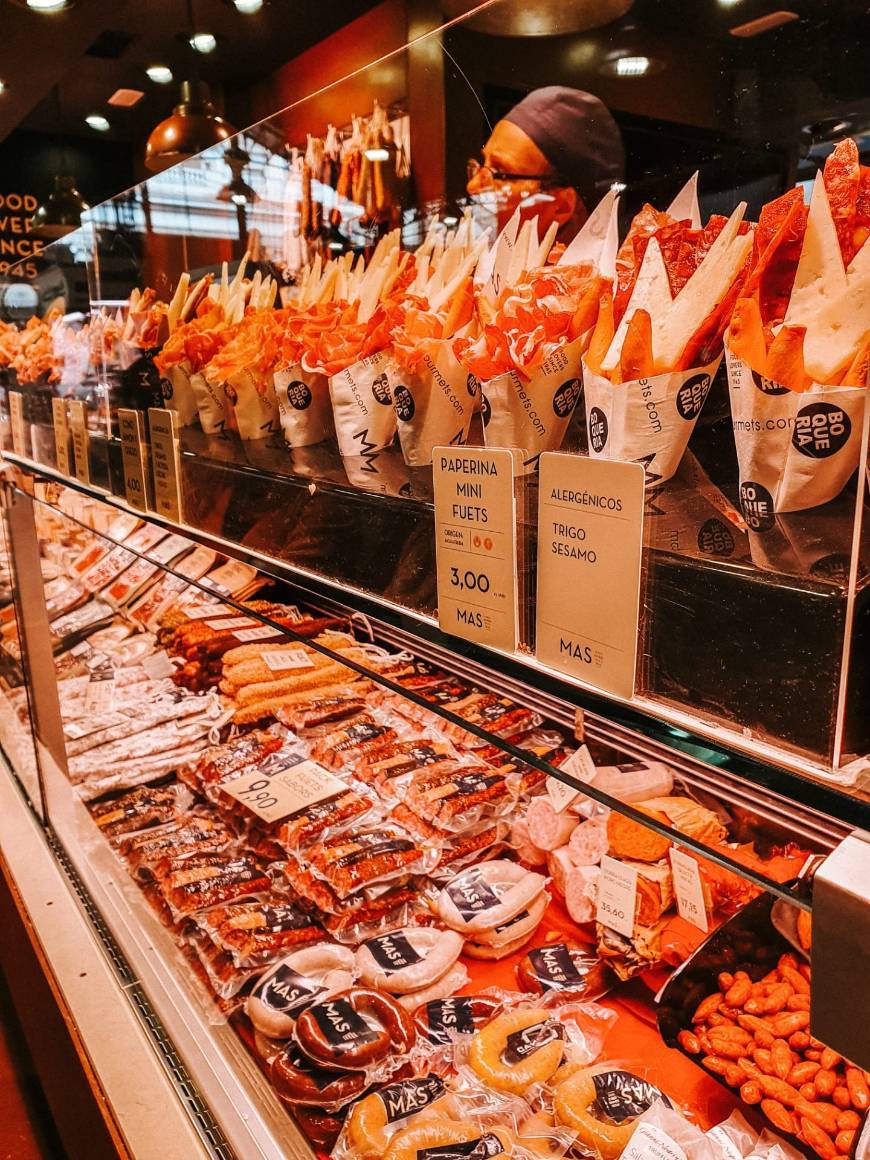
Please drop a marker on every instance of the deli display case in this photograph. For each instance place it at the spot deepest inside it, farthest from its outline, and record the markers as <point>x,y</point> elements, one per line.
<point>381,791</point>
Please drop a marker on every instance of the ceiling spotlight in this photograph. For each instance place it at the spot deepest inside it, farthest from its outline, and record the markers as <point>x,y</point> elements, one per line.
<point>248,7</point>
<point>451,220</point>
<point>160,74</point>
<point>47,5</point>
<point>728,3</point>
<point>632,66</point>
<point>203,42</point>
<point>2,88</point>
<point>376,155</point>
<point>98,122</point>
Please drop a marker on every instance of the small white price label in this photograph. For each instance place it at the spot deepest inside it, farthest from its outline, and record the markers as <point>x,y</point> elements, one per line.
<point>203,611</point>
<point>133,455</point>
<point>232,622</point>
<point>617,896</point>
<point>61,435</point>
<point>689,889</point>
<point>283,784</point>
<point>292,658</point>
<point>165,463</point>
<point>171,547</point>
<point>158,665</point>
<point>251,635</point>
<point>579,765</point>
<point>649,1142</point>
<point>100,695</point>
<point>78,421</point>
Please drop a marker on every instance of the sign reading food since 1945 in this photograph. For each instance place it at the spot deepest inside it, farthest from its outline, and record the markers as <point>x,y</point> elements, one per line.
<point>17,244</point>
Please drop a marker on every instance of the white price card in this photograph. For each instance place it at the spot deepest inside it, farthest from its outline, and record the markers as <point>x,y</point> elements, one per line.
<point>232,622</point>
<point>262,632</point>
<point>281,660</point>
<point>20,442</point>
<point>165,463</point>
<point>689,889</point>
<point>133,454</point>
<point>650,1142</point>
<point>579,765</point>
<point>60,423</point>
<point>195,565</point>
<point>171,547</point>
<point>617,896</point>
<point>158,665</point>
<point>476,543</point>
<point>204,611</point>
<point>78,422</point>
<point>590,538</point>
<point>283,784</point>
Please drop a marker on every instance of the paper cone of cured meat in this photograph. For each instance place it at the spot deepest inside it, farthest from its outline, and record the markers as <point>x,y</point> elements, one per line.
<point>658,342</point>
<point>304,410</point>
<point>254,404</point>
<point>434,402</point>
<point>798,347</point>
<point>535,321</point>
<point>362,406</point>
<point>181,397</point>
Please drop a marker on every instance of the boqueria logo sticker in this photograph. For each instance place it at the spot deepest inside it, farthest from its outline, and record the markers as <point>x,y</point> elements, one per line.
<point>304,409</point>
<point>648,421</point>
<point>362,400</point>
<point>795,449</point>
<point>433,403</point>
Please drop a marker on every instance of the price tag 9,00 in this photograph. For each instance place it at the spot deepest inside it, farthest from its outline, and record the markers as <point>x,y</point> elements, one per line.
<point>617,896</point>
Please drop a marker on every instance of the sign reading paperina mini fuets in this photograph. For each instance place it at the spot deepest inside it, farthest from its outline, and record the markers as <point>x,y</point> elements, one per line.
<point>165,463</point>
<point>590,537</point>
<point>476,543</point>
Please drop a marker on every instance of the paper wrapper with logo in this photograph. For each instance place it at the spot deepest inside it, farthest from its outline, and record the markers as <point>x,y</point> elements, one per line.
<point>253,403</point>
<point>795,449</point>
<point>648,420</point>
<point>304,411</point>
<point>434,402</point>
<point>182,397</point>
<point>211,403</point>
<point>533,415</point>
<point>362,406</point>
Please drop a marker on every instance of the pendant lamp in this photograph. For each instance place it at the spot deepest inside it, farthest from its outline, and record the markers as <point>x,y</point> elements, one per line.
<point>61,212</point>
<point>193,126</point>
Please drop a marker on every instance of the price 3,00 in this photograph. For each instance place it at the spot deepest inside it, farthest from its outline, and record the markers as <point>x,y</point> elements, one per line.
<point>469,581</point>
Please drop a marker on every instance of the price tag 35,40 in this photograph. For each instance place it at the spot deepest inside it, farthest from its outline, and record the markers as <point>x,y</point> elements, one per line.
<point>617,896</point>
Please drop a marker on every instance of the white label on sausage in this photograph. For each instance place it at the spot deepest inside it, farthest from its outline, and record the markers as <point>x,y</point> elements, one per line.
<point>617,896</point>
<point>264,632</point>
<point>293,658</point>
<point>651,1143</point>
<point>231,623</point>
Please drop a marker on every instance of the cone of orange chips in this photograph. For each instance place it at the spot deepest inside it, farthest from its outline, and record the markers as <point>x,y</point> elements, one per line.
<point>657,342</point>
<point>798,344</point>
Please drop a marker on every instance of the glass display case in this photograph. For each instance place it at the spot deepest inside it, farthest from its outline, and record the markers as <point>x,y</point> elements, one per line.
<point>223,396</point>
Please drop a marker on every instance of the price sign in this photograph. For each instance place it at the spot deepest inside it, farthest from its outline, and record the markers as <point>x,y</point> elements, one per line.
<point>61,435</point>
<point>165,463</point>
<point>283,784</point>
<point>617,896</point>
<point>476,543</point>
<point>292,658</point>
<point>78,421</point>
<point>691,904</point>
<point>133,452</point>
<point>579,765</point>
<point>19,427</point>
<point>590,538</point>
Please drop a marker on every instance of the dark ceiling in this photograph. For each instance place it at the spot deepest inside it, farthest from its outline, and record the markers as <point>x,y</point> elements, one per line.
<point>68,49</point>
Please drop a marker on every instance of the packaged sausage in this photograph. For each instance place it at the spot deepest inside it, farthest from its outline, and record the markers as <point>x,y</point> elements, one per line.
<point>387,766</point>
<point>368,856</point>
<point>347,809</point>
<point>455,795</point>
<point>408,959</point>
<point>376,1118</point>
<point>371,912</point>
<point>188,885</point>
<point>254,934</point>
<point>311,716</point>
<point>345,746</point>
<point>295,982</point>
<point>359,1030</point>
<point>140,809</point>
<point>184,836</point>
<point>567,971</point>
<point>498,715</point>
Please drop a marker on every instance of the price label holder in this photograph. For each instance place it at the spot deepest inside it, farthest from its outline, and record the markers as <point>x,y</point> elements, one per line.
<point>282,785</point>
<point>476,543</point>
<point>165,463</point>
<point>579,765</point>
<point>20,442</point>
<point>78,422</point>
<point>60,422</point>
<point>136,481</point>
<point>617,896</point>
<point>689,889</point>
<point>590,542</point>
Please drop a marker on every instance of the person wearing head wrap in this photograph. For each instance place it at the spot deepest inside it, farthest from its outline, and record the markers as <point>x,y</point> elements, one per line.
<point>554,155</point>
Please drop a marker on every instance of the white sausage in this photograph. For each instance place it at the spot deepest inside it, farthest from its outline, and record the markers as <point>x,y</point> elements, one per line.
<point>588,842</point>
<point>323,969</point>
<point>455,979</point>
<point>559,863</point>
<point>521,926</point>
<point>548,829</point>
<point>438,950</point>
<point>527,852</point>
<point>489,895</point>
<point>581,886</point>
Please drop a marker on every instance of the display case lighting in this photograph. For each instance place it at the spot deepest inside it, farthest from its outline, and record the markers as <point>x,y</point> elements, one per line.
<point>377,155</point>
<point>98,122</point>
<point>451,220</point>
<point>48,5</point>
<point>248,7</point>
<point>631,66</point>
<point>159,73</point>
<point>204,42</point>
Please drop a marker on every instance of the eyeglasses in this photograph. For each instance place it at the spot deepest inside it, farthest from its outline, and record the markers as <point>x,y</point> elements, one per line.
<point>473,167</point>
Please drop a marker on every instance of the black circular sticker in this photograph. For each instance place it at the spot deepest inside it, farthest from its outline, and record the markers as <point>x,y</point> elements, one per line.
<point>166,389</point>
<point>597,429</point>
<point>756,503</point>
<point>485,410</point>
<point>299,395</point>
<point>768,386</point>
<point>820,430</point>
<point>715,538</point>
<point>381,390</point>
<point>691,396</point>
<point>404,401</point>
<point>472,385</point>
<point>231,394</point>
<point>565,398</point>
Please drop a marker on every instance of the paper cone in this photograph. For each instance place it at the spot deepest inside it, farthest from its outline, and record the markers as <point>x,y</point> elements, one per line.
<point>795,449</point>
<point>648,421</point>
<point>211,404</point>
<point>533,416</point>
<point>434,405</point>
<point>180,396</point>
<point>362,406</point>
<point>303,406</point>
<point>254,404</point>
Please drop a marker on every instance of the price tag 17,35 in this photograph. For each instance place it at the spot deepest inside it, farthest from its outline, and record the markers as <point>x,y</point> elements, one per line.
<point>476,543</point>
<point>165,463</point>
<point>78,421</point>
<point>133,452</point>
<point>60,422</point>
<point>283,784</point>
<point>617,896</point>
<point>689,889</point>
